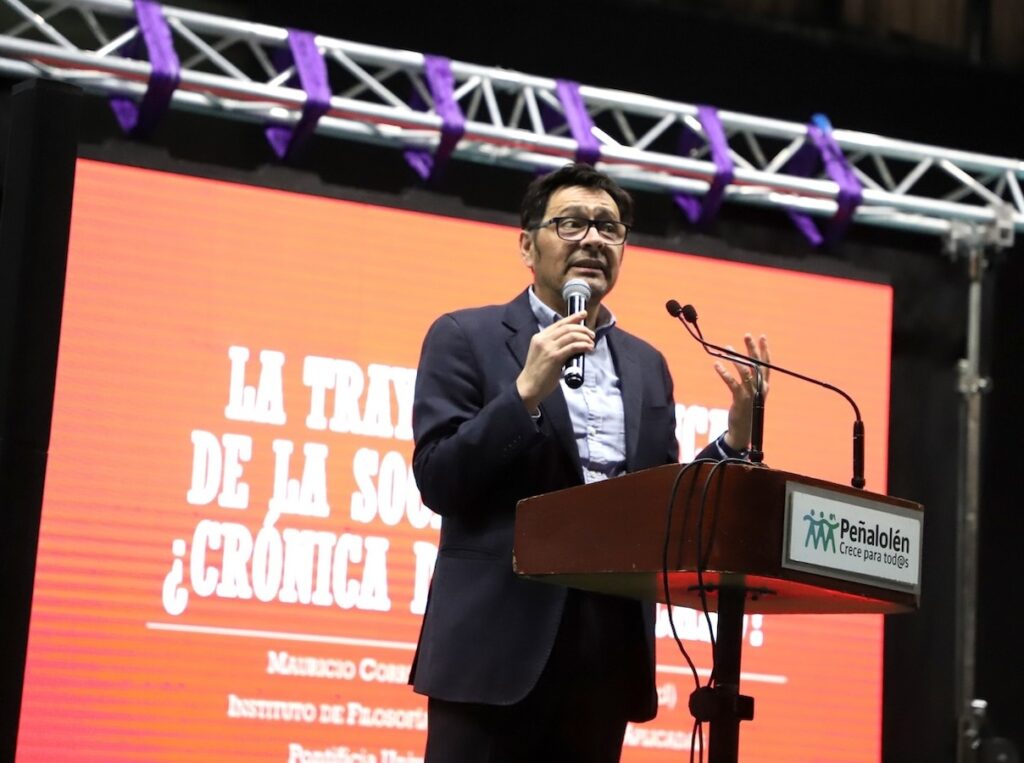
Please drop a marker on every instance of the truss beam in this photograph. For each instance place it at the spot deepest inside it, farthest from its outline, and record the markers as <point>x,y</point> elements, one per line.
<point>226,71</point>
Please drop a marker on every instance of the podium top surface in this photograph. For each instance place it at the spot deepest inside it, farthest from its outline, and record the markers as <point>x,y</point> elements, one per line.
<point>756,532</point>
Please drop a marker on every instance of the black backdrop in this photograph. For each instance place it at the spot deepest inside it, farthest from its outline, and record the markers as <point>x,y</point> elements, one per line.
<point>914,95</point>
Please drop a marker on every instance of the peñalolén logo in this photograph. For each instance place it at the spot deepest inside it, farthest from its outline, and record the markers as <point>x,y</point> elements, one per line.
<point>821,532</point>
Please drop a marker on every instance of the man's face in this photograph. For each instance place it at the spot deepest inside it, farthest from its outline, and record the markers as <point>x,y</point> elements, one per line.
<point>555,261</point>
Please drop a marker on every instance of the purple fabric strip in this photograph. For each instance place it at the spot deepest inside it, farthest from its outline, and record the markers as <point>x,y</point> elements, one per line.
<point>140,119</point>
<point>820,150</point>
<point>703,211</point>
<point>804,163</point>
<point>312,71</point>
<point>588,148</point>
<point>438,73</point>
<point>850,190</point>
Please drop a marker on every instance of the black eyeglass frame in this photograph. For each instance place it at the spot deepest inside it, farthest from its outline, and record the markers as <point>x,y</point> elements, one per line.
<point>557,222</point>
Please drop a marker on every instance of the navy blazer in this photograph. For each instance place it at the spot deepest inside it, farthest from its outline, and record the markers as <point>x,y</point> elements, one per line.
<point>486,633</point>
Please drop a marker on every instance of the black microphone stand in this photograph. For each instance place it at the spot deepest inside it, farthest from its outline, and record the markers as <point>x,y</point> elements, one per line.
<point>756,452</point>
<point>722,706</point>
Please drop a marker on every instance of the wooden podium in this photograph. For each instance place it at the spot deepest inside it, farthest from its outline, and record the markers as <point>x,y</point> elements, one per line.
<point>770,542</point>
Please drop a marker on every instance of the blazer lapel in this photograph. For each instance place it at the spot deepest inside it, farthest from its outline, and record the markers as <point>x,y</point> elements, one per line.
<point>522,325</point>
<point>631,384</point>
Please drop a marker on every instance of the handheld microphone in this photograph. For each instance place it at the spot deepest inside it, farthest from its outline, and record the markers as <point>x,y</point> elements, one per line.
<point>687,315</point>
<point>575,292</point>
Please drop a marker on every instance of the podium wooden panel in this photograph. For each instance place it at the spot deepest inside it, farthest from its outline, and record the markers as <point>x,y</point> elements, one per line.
<point>609,536</point>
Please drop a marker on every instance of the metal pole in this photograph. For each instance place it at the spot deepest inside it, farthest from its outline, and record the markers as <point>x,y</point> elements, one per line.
<point>972,385</point>
<point>724,731</point>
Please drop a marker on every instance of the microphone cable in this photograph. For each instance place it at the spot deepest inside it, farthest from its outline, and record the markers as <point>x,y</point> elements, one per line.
<point>702,560</point>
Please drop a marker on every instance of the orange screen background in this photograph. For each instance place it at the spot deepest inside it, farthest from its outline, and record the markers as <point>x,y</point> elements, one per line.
<point>142,648</point>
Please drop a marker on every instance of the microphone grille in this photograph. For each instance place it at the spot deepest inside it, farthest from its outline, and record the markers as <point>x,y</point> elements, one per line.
<point>673,308</point>
<point>689,313</point>
<point>575,287</point>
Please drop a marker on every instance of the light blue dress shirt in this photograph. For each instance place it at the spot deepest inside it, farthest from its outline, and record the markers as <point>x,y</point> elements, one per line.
<point>596,411</point>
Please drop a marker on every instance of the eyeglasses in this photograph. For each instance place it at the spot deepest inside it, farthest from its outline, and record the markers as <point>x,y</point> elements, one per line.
<point>577,228</point>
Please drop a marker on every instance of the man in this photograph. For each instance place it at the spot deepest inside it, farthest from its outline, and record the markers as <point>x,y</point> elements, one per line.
<point>518,670</point>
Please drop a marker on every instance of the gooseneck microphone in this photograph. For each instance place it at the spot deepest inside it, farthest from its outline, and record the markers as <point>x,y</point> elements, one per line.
<point>756,454</point>
<point>687,315</point>
<point>575,292</point>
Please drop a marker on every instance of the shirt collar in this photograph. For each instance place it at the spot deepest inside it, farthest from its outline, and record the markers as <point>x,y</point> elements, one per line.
<point>546,316</point>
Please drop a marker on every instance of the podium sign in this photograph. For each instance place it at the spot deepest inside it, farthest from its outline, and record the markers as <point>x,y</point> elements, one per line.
<point>851,537</point>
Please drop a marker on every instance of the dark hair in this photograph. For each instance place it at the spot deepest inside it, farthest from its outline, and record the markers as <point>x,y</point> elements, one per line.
<point>535,201</point>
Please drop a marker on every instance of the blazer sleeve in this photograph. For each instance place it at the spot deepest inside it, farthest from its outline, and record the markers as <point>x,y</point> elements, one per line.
<point>469,422</point>
<point>672,453</point>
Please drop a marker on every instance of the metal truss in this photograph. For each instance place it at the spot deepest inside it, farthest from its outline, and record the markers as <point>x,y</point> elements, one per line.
<point>227,70</point>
